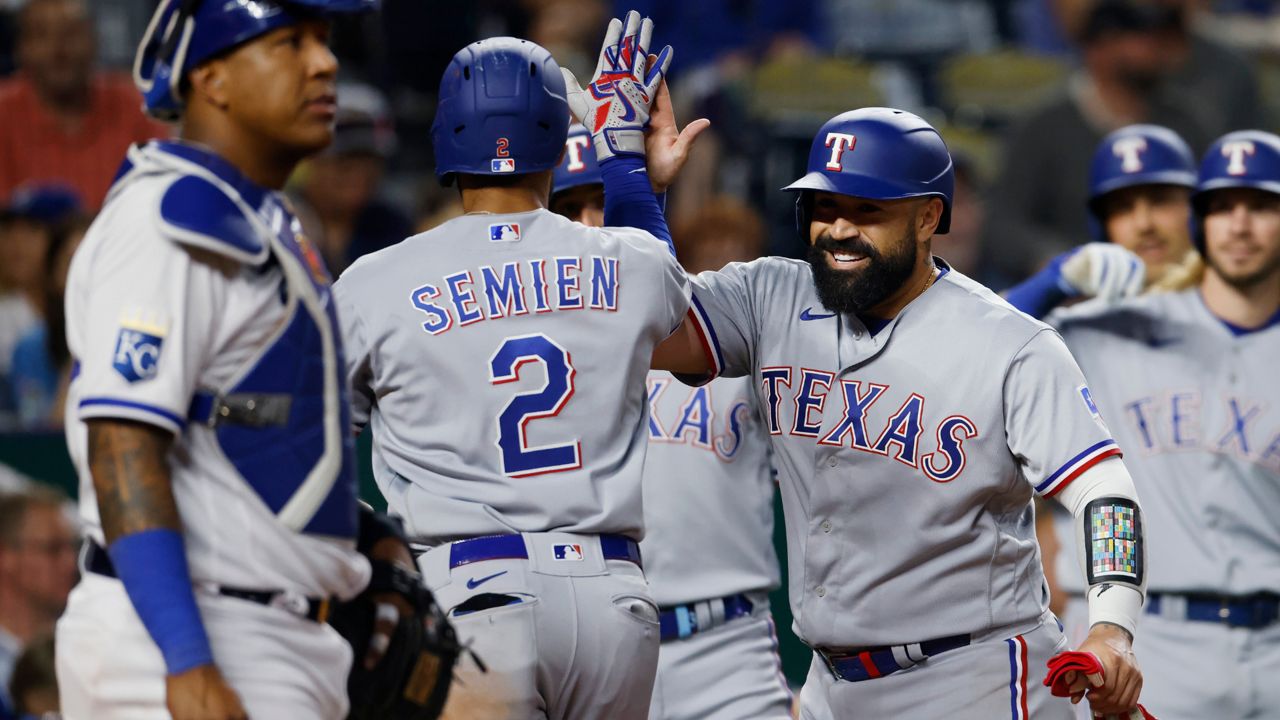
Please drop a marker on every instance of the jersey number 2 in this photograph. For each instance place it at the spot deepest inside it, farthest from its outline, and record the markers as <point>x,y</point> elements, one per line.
<point>518,459</point>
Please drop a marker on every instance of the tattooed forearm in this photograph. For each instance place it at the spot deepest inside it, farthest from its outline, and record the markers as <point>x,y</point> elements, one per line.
<point>131,477</point>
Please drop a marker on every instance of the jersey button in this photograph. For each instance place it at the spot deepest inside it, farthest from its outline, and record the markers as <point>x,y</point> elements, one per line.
<point>821,591</point>
<point>826,526</point>
<point>833,462</point>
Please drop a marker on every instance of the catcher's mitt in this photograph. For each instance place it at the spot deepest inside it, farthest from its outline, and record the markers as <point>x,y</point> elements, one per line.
<point>412,679</point>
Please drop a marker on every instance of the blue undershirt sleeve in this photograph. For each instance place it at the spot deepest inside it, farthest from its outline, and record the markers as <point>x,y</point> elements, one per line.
<point>629,200</point>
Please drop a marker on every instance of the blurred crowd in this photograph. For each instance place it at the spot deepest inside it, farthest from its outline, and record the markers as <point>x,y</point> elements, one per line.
<point>1022,90</point>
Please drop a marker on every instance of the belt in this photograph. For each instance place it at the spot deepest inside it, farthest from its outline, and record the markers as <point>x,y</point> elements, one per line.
<point>868,663</point>
<point>97,561</point>
<point>1242,611</point>
<point>681,621</point>
<point>512,547</point>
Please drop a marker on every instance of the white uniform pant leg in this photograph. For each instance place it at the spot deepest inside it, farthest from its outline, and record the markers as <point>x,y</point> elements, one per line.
<point>573,647</point>
<point>1195,669</point>
<point>989,680</point>
<point>727,673</point>
<point>279,664</point>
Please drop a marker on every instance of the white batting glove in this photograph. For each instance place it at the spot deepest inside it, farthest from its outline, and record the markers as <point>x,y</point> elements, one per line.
<point>615,107</point>
<point>1105,271</point>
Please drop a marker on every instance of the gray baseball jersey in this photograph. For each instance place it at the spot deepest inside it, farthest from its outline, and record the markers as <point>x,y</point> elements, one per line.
<point>1197,407</point>
<point>907,457</point>
<point>708,492</point>
<point>500,361</point>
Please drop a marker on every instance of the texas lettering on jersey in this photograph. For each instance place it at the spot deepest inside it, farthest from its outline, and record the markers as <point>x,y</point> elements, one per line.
<point>696,424</point>
<point>540,285</point>
<point>807,391</point>
<point>1183,420</point>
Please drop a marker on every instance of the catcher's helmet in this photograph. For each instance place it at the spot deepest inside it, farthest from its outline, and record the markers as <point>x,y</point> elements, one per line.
<point>579,165</point>
<point>877,153</point>
<point>1137,155</point>
<point>1241,159</point>
<point>184,33</point>
<point>502,111</point>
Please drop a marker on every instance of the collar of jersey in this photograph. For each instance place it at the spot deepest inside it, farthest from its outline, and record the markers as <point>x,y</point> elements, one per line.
<point>1239,330</point>
<point>251,192</point>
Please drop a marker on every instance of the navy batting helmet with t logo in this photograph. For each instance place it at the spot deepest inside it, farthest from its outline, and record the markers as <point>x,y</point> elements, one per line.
<point>184,33</point>
<point>579,165</point>
<point>880,154</point>
<point>1137,155</point>
<point>1241,159</point>
<point>502,111</point>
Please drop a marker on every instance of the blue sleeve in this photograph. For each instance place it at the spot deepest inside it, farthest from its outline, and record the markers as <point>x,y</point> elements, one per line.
<point>152,564</point>
<point>1042,292</point>
<point>629,200</point>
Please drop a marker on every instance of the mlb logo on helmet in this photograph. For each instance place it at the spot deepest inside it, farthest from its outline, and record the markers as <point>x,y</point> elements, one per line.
<point>502,165</point>
<point>504,232</point>
<point>571,553</point>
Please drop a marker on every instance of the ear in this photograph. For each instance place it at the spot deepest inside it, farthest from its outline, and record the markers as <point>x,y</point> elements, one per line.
<point>928,217</point>
<point>209,84</point>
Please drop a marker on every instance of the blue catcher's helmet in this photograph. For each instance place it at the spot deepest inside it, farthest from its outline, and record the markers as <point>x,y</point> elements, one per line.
<point>579,166</point>
<point>880,154</point>
<point>1137,155</point>
<point>184,33</point>
<point>502,111</point>
<point>1241,159</point>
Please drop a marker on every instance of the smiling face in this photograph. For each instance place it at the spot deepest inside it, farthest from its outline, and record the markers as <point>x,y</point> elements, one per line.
<point>1242,236</point>
<point>1151,221</point>
<point>862,251</point>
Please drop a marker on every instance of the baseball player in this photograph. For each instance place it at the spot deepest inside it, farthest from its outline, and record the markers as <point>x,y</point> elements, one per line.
<point>499,360</point>
<point>208,413</point>
<point>1185,381</point>
<point>708,499</point>
<point>1140,183</point>
<point>913,416</point>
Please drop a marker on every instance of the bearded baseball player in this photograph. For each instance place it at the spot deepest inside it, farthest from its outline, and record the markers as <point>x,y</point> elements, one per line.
<point>499,360</point>
<point>708,499</point>
<point>914,415</point>
<point>1184,379</point>
<point>208,415</point>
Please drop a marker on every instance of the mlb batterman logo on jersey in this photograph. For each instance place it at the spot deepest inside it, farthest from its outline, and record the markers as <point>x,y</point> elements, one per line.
<point>504,232</point>
<point>137,352</point>
<point>571,553</point>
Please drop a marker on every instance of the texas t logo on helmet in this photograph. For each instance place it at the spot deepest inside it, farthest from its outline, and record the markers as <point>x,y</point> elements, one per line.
<point>1129,150</point>
<point>1236,150</point>
<point>839,143</point>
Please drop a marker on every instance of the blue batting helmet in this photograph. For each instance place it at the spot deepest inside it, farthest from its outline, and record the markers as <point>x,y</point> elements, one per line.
<point>1139,155</point>
<point>881,154</point>
<point>185,33</point>
<point>579,165</point>
<point>502,111</point>
<point>1241,159</point>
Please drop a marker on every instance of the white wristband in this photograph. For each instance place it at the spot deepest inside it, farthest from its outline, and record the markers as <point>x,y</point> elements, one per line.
<point>1115,604</point>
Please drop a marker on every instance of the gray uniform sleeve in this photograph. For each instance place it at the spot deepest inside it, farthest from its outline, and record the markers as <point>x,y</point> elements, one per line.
<point>359,359</point>
<point>724,313</point>
<point>1051,420</point>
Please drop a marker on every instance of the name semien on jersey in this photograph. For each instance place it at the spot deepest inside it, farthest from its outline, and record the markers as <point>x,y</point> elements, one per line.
<point>519,287</point>
<point>898,437</point>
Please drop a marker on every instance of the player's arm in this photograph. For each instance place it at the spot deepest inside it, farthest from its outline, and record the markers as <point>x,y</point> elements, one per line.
<point>1097,270</point>
<point>1105,508</point>
<point>128,461</point>
<point>683,352</point>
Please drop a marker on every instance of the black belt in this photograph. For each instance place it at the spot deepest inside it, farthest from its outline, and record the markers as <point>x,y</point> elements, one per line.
<point>873,662</point>
<point>1243,611</point>
<point>97,561</point>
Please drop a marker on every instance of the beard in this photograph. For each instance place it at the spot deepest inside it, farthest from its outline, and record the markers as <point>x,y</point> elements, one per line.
<point>1245,280</point>
<point>871,283</point>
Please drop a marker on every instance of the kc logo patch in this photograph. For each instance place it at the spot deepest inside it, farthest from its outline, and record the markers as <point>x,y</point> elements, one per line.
<point>571,553</point>
<point>137,354</point>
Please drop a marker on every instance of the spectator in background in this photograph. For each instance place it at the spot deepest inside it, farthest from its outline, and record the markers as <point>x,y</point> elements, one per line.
<point>38,545</point>
<point>34,686</point>
<point>337,196</point>
<point>62,120</point>
<point>41,366</point>
<point>722,231</point>
<point>26,229</point>
<point>1037,206</point>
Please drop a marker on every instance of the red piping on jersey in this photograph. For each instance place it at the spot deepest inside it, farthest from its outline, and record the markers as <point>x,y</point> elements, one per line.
<point>1111,452</point>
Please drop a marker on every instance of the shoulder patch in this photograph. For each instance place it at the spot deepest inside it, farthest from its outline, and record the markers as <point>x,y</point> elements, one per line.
<point>194,211</point>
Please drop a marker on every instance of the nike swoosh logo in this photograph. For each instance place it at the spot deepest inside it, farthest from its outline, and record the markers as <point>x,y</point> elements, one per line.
<point>474,583</point>
<point>1156,342</point>
<point>806,315</point>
